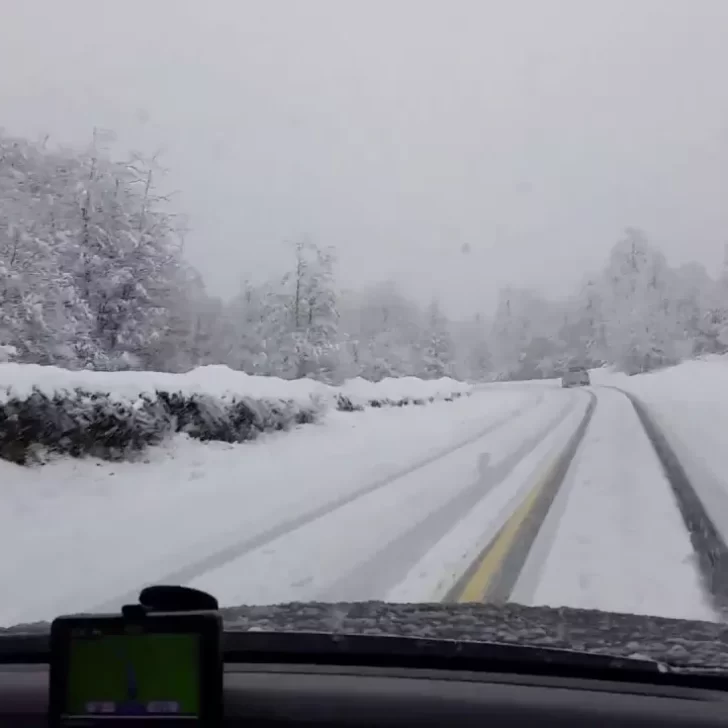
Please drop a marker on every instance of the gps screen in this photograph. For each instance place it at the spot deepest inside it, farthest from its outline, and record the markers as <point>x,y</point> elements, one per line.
<point>133,674</point>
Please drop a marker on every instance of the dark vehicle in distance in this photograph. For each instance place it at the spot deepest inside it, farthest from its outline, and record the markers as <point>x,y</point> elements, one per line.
<point>576,376</point>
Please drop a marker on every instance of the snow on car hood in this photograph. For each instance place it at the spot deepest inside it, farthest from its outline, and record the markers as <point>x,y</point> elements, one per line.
<point>677,641</point>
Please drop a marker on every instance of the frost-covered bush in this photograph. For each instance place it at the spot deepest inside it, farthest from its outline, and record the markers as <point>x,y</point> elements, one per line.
<point>345,404</point>
<point>80,423</point>
<point>7,352</point>
<point>112,415</point>
<point>417,401</point>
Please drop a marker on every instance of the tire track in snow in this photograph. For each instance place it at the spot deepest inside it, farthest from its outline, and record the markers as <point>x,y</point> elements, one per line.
<point>710,548</point>
<point>223,556</point>
<point>614,538</point>
<point>500,563</point>
<point>387,568</point>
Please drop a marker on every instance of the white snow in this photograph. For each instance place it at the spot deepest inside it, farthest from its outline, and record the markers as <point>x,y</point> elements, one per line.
<point>689,403</point>
<point>614,538</point>
<point>20,380</point>
<point>75,533</point>
<point>313,562</point>
<point>395,388</point>
<point>389,503</point>
<point>439,569</point>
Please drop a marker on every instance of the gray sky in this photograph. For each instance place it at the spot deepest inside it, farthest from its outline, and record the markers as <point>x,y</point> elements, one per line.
<point>399,130</point>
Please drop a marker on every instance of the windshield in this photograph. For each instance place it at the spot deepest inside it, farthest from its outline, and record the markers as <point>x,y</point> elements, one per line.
<point>291,294</point>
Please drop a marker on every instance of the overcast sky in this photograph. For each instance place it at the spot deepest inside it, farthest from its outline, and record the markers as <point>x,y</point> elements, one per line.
<point>532,131</point>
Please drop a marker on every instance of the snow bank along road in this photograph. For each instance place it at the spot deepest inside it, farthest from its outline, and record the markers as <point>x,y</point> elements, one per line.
<point>530,493</point>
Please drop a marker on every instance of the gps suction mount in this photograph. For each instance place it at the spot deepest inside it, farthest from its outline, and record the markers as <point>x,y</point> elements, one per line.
<point>165,599</point>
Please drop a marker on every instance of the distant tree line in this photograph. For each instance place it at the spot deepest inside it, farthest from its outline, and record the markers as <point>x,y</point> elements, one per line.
<point>637,313</point>
<point>92,275</point>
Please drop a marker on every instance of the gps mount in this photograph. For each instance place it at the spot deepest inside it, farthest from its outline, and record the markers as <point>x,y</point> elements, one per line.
<point>162,598</point>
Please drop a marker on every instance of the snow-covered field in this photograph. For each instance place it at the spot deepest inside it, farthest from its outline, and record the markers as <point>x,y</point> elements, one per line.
<point>390,503</point>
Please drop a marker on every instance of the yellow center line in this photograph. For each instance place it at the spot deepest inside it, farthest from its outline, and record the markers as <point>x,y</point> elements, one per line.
<point>490,564</point>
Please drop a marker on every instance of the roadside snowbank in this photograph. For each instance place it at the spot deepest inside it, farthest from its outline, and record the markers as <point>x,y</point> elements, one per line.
<point>20,381</point>
<point>697,382</point>
<point>112,414</point>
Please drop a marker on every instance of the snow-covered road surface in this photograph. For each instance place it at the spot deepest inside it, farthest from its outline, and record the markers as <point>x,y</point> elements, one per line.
<point>78,533</point>
<point>689,403</point>
<point>614,537</point>
<point>367,547</point>
<point>437,571</point>
<point>390,504</point>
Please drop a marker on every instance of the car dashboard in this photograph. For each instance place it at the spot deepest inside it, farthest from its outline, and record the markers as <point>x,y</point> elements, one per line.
<point>350,695</point>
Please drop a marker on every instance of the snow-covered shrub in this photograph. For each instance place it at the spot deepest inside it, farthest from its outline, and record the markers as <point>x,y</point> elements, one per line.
<point>114,414</point>
<point>207,418</point>
<point>402,391</point>
<point>7,352</point>
<point>80,423</point>
<point>417,401</point>
<point>345,404</point>
<point>234,419</point>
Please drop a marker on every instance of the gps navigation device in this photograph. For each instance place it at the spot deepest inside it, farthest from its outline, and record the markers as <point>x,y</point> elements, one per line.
<point>140,669</point>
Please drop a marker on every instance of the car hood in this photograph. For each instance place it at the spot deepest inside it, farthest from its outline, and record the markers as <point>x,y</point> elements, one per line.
<point>677,642</point>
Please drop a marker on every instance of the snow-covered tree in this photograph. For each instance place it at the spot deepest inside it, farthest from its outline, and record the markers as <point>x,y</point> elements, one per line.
<point>712,326</point>
<point>41,312</point>
<point>473,354</point>
<point>582,333</point>
<point>92,274</point>
<point>90,260</point>
<point>315,313</point>
<point>438,351</point>
<point>289,327</point>
<point>384,332</point>
<point>257,336</point>
<point>525,335</point>
<point>639,316</point>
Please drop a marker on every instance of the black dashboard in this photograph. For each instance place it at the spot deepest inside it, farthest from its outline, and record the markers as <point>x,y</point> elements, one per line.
<point>323,695</point>
<point>272,678</point>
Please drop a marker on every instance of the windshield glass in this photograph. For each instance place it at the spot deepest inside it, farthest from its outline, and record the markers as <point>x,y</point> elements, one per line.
<point>326,302</point>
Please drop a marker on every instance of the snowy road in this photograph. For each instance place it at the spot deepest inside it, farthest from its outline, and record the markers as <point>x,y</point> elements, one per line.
<point>614,535</point>
<point>368,546</point>
<point>399,504</point>
<point>90,532</point>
